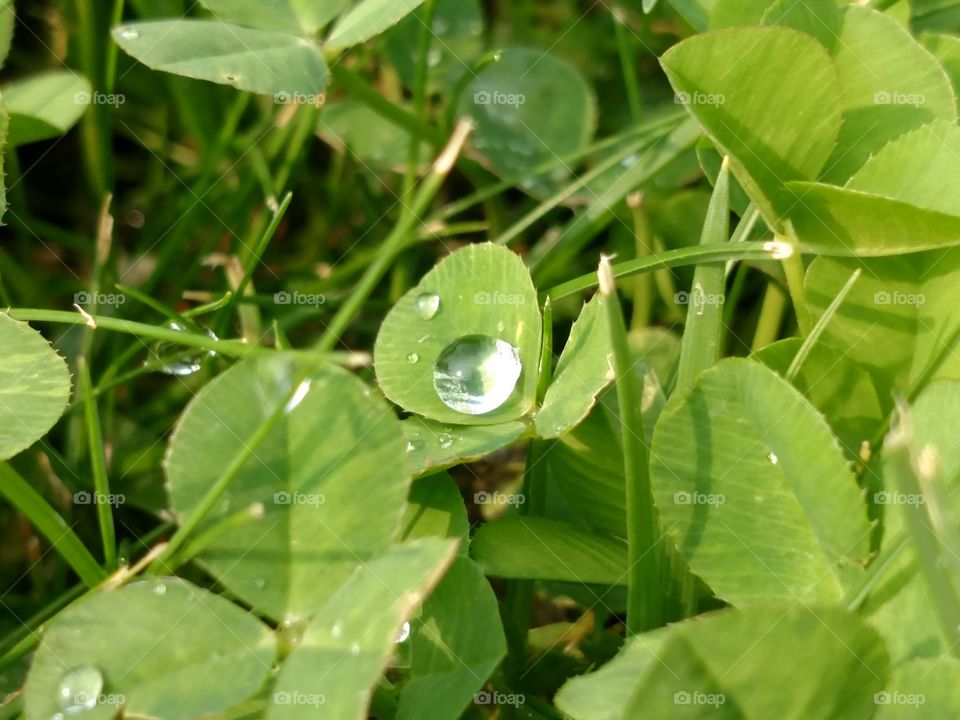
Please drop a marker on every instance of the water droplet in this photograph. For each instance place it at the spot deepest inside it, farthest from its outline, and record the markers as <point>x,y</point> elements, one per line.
<point>434,57</point>
<point>403,633</point>
<point>773,458</point>
<point>174,359</point>
<point>79,689</point>
<point>476,374</point>
<point>355,648</point>
<point>501,326</point>
<point>128,34</point>
<point>260,583</point>
<point>427,305</point>
<point>445,440</point>
<point>413,358</point>
<point>337,629</point>
<point>160,589</point>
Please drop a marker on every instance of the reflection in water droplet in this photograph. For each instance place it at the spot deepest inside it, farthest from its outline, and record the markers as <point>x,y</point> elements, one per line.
<point>403,633</point>
<point>427,305</point>
<point>445,440</point>
<point>79,689</point>
<point>172,359</point>
<point>476,374</point>
<point>413,358</point>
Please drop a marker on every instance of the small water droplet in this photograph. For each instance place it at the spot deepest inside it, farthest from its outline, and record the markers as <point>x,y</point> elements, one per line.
<point>427,305</point>
<point>434,57</point>
<point>476,374</point>
<point>260,583</point>
<point>337,629</point>
<point>129,34</point>
<point>403,633</point>
<point>413,358</point>
<point>79,689</point>
<point>160,589</point>
<point>445,440</point>
<point>355,648</point>
<point>501,326</point>
<point>773,458</point>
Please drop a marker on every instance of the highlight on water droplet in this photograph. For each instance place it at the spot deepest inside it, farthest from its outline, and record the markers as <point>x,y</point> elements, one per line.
<point>445,440</point>
<point>403,633</point>
<point>413,358</point>
<point>298,395</point>
<point>427,305</point>
<point>128,33</point>
<point>476,374</point>
<point>772,457</point>
<point>79,689</point>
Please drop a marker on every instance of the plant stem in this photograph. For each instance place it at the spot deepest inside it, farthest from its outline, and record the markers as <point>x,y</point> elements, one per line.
<point>811,340</point>
<point>680,257</point>
<point>50,524</point>
<point>626,65</point>
<point>793,268</point>
<point>645,585</point>
<point>419,96</point>
<point>771,316</point>
<point>98,466</point>
<point>397,238</point>
<point>643,245</point>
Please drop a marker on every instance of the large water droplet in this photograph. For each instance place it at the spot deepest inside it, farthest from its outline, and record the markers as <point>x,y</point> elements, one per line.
<point>79,689</point>
<point>476,374</point>
<point>427,305</point>
<point>173,359</point>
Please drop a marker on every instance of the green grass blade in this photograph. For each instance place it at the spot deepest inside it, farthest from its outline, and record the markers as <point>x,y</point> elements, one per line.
<point>817,332</point>
<point>98,466</point>
<point>701,336</point>
<point>50,524</point>
<point>645,589</point>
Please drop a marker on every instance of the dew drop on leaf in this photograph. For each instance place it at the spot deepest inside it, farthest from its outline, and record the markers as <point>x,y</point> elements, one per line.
<point>476,374</point>
<point>79,689</point>
<point>129,34</point>
<point>413,358</point>
<point>160,589</point>
<point>773,458</point>
<point>427,305</point>
<point>171,359</point>
<point>445,440</point>
<point>403,633</point>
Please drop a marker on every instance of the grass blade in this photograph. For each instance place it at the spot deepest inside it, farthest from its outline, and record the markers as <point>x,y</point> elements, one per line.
<point>50,524</point>
<point>98,466</point>
<point>645,588</point>
<point>701,337</point>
